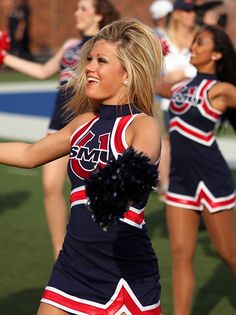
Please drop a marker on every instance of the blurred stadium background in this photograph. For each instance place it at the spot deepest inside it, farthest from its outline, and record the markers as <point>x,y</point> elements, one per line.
<point>51,21</point>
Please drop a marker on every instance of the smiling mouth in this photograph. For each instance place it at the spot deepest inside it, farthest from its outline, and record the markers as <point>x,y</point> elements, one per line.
<point>92,80</point>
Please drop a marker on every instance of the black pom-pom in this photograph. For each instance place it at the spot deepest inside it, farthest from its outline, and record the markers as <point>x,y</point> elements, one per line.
<point>112,189</point>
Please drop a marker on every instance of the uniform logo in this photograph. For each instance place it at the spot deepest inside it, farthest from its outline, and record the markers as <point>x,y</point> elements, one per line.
<point>84,160</point>
<point>185,98</point>
<point>71,57</point>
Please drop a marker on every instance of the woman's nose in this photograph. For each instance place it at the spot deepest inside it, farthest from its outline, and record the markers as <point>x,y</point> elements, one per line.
<point>192,46</point>
<point>91,66</point>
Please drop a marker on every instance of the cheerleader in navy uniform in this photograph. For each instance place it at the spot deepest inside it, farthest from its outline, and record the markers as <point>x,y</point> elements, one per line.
<point>200,179</point>
<point>90,16</point>
<point>107,264</point>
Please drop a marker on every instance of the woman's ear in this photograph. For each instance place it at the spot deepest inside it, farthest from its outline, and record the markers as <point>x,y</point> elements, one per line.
<point>98,18</point>
<point>216,56</point>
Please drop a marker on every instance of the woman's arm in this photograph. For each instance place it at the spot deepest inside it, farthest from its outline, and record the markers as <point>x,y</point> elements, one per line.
<point>222,95</point>
<point>144,136</point>
<point>26,155</point>
<point>34,69</point>
<point>48,149</point>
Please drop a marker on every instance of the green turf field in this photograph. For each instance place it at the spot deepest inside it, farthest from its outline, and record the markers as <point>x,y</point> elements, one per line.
<point>8,75</point>
<point>26,253</point>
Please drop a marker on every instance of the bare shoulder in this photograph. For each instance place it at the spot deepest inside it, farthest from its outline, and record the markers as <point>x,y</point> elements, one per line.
<point>144,127</point>
<point>146,124</point>
<point>220,88</point>
<point>70,42</point>
<point>144,136</point>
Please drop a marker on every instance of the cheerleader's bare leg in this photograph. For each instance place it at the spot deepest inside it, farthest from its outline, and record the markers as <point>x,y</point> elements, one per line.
<point>183,227</point>
<point>46,309</point>
<point>222,230</point>
<point>54,175</point>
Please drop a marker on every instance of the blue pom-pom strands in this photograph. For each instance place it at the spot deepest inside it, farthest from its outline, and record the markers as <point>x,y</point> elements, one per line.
<point>112,189</point>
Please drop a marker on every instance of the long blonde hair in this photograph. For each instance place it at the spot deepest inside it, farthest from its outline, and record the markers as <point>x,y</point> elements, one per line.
<point>140,54</point>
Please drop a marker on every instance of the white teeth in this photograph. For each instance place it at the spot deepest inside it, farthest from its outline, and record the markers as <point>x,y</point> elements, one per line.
<point>91,79</point>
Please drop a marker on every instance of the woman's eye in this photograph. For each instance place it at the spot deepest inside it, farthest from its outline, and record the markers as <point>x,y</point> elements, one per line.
<point>102,60</point>
<point>89,58</point>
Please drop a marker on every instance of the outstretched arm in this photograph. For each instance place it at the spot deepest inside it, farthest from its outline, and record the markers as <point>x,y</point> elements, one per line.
<point>48,149</point>
<point>34,69</point>
<point>26,155</point>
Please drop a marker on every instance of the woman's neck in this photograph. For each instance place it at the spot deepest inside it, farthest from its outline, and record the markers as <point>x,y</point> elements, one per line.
<point>181,36</point>
<point>92,31</point>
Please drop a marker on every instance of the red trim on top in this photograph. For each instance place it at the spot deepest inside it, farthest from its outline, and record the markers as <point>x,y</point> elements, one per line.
<point>138,218</point>
<point>80,131</point>
<point>204,87</point>
<point>190,131</point>
<point>205,106</point>
<point>209,111</point>
<point>118,133</point>
<point>78,195</point>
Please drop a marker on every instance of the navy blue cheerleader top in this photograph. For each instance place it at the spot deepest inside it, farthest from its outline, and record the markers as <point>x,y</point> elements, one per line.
<point>191,114</point>
<point>94,144</point>
<point>68,63</point>
<point>71,59</point>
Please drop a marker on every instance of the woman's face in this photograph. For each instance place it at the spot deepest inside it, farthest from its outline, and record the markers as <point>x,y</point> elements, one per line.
<point>202,52</point>
<point>185,17</point>
<point>87,21</point>
<point>105,75</point>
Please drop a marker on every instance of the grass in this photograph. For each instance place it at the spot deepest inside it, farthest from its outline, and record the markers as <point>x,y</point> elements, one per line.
<point>7,75</point>
<point>26,253</point>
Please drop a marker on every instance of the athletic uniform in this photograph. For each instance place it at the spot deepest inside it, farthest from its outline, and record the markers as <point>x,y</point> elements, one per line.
<point>199,174</point>
<point>98,272</point>
<point>68,62</point>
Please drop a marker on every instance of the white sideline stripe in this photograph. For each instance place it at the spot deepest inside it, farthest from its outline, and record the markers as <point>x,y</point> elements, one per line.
<point>22,87</point>
<point>22,127</point>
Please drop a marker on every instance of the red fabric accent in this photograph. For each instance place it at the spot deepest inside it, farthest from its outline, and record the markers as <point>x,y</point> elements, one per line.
<point>209,111</point>
<point>78,195</point>
<point>80,131</point>
<point>197,202</point>
<point>4,41</point>
<point>79,171</point>
<point>179,109</point>
<point>135,217</point>
<point>2,56</point>
<point>190,131</point>
<point>118,135</point>
<point>130,215</point>
<point>123,298</point>
<point>207,83</point>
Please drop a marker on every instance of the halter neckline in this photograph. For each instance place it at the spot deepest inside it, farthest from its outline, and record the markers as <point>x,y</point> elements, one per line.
<point>114,111</point>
